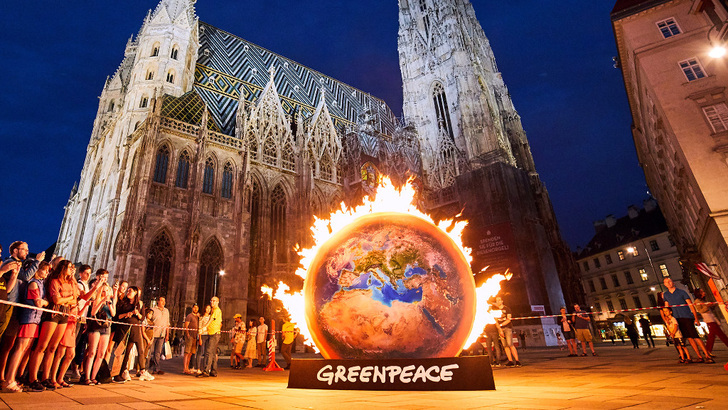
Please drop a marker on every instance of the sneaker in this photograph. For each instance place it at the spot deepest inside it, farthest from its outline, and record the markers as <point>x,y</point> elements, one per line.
<point>510,364</point>
<point>213,374</point>
<point>119,379</point>
<point>147,376</point>
<point>36,386</point>
<point>203,374</point>
<point>127,376</point>
<point>518,364</point>
<point>11,387</point>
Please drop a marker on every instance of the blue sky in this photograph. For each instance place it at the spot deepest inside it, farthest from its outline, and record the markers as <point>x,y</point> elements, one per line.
<point>555,57</point>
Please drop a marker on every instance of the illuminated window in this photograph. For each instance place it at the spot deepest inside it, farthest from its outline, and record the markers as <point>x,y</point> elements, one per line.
<point>664,271</point>
<point>692,69</point>
<point>620,255</point>
<point>668,27</point>
<point>643,275</point>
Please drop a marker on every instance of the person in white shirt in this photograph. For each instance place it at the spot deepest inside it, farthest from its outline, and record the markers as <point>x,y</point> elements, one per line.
<point>261,338</point>
<point>161,335</point>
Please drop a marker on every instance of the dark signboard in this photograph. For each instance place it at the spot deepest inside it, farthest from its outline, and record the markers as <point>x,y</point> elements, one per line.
<point>493,246</point>
<point>457,373</point>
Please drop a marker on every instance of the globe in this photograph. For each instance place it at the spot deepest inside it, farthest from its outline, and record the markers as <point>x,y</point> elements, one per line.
<point>389,285</point>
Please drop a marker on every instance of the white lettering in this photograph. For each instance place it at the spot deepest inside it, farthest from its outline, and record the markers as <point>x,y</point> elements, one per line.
<point>380,374</point>
<point>430,377</point>
<point>340,374</point>
<point>365,372</point>
<point>394,371</point>
<point>353,372</point>
<point>446,374</point>
<point>406,375</point>
<point>420,374</point>
<point>325,375</point>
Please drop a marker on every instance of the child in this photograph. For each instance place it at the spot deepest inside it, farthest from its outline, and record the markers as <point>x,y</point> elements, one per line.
<point>674,331</point>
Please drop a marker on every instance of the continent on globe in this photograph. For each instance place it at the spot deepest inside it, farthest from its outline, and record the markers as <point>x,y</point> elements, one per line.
<point>390,285</point>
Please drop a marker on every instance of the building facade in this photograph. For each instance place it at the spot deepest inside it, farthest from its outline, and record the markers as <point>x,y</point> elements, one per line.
<point>623,266</point>
<point>210,153</point>
<point>677,96</point>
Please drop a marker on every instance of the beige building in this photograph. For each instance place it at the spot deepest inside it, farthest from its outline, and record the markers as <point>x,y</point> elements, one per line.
<point>677,95</point>
<point>623,266</point>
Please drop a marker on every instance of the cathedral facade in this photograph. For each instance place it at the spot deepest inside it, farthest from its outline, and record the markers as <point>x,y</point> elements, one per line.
<point>210,156</point>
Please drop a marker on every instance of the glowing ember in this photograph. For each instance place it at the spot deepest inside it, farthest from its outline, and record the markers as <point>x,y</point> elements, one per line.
<point>388,200</point>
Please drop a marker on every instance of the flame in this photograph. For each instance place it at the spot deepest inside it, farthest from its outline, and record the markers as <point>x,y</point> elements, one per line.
<point>388,199</point>
<point>483,316</point>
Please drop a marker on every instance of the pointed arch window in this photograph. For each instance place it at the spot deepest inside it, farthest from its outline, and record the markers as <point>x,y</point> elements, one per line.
<point>170,77</point>
<point>425,17</point>
<point>173,54</point>
<point>211,262</point>
<point>270,154</point>
<point>144,102</point>
<point>441,110</point>
<point>111,106</point>
<point>150,75</point>
<point>159,264</point>
<point>133,169</point>
<point>288,158</point>
<point>183,170</point>
<point>155,50</point>
<point>227,181</point>
<point>160,165</point>
<point>208,181</point>
<point>253,148</point>
<point>326,168</point>
<point>278,222</point>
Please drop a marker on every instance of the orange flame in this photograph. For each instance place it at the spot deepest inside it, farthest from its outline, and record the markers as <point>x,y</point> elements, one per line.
<point>387,199</point>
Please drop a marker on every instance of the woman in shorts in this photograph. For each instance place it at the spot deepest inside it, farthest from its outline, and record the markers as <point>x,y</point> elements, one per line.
<point>34,295</point>
<point>67,349</point>
<point>59,287</point>
<point>103,309</point>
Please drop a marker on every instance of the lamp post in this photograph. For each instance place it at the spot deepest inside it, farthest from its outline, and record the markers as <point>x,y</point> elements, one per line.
<point>633,251</point>
<point>219,274</point>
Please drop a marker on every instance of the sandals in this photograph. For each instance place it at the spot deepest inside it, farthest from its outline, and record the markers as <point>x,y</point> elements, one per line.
<point>709,360</point>
<point>63,384</point>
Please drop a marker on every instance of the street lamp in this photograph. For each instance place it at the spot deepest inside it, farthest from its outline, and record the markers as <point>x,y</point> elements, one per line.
<point>219,274</point>
<point>633,251</point>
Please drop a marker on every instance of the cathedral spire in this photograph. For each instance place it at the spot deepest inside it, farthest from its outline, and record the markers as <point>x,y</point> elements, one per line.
<point>176,8</point>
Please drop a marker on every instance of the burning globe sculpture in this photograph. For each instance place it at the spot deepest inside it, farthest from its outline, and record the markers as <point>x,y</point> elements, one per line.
<point>389,285</point>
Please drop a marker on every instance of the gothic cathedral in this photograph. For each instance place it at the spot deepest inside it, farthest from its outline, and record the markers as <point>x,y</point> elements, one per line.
<point>210,156</point>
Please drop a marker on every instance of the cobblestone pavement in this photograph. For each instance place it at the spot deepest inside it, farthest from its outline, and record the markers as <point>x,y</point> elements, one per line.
<point>620,377</point>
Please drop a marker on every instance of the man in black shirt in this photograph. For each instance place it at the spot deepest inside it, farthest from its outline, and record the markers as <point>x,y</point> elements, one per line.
<point>506,332</point>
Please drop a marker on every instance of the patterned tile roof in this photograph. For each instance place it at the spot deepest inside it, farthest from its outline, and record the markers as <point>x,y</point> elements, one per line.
<point>228,65</point>
<point>187,108</point>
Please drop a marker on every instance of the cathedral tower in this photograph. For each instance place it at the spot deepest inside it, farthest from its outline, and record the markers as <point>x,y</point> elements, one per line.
<point>475,154</point>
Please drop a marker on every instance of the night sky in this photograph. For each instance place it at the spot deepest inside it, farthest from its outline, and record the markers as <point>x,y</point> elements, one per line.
<point>555,56</point>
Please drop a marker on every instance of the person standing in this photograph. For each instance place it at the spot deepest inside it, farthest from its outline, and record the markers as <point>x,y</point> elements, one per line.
<point>260,340</point>
<point>213,334</point>
<point>567,328</point>
<point>161,335</point>
<point>237,342</point>
<point>687,318</point>
<point>203,339</point>
<point>646,330</point>
<point>634,337</point>
<point>290,331</point>
<point>581,329</point>
<point>493,344</point>
<point>191,323</point>
<point>505,324</point>
<point>711,320</point>
<point>251,349</point>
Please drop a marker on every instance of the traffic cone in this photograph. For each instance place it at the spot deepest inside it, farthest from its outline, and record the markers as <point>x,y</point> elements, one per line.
<point>272,365</point>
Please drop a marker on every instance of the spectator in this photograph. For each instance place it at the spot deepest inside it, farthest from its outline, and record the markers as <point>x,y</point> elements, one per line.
<point>251,349</point>
<point>213,332</point>
<point>610,335</point>
<point>237,342</point>
<point>567,328</point>
<point>67,348</point>
<point>60,288</point>
<point>129,309</point>
<point>710,319</point>
<point>522,336</point>
<point>581,329</point>
<point>634,337</point>
<point>28,266</point>
<point>673,331</point>
<point>86,293</point>
<point>8,279</point>
<point>161,335</point>
<point>505,325</point>
<point>191,324</point>
<point>290,331</point>
<point>204,339</point>
<point>148,338</point>
<point>687,318</point>
<point>493,344</point>
<point>29,319</point>
<point>261,337</point>
<point>118,331</point>
<point>646,330</point>
<point>103,309</point>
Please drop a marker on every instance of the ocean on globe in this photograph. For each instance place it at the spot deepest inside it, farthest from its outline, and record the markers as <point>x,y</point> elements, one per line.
<point>389,285</point>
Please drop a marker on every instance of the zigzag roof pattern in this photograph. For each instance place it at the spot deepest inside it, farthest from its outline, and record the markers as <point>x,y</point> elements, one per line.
<point>228,65</point>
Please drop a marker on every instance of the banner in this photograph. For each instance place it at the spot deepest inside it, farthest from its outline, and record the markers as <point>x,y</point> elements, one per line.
<point>457,373</point>
<point>493,246</point>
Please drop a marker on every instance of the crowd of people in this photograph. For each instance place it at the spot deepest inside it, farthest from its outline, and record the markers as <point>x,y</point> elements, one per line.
<point>73,328</point>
